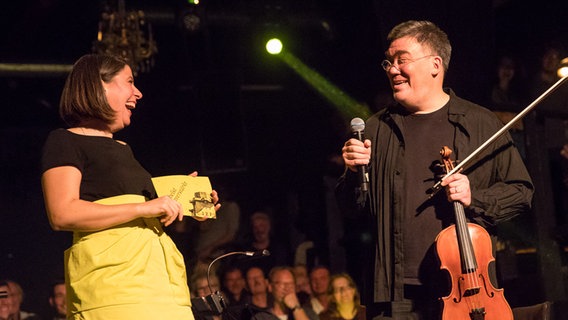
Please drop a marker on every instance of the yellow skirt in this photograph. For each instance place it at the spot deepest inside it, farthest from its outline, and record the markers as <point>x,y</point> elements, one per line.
<point>132,271</point>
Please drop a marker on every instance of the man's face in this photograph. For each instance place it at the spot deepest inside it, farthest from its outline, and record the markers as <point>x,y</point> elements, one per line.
<point>4,303</point>
<point>14,299</point>
<point>256,281</point>
<point>319,280</point>
<point>58,301</point>
<point>282,284</point>
<point>413,73</point>
<point>261,229</point>
<point>234,282</point>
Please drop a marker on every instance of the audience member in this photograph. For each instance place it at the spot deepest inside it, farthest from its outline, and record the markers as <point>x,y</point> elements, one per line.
<point>564,151</point>
<point>58,300</point>
<point>344,300</point>
<point>319,282</point>
<point>201,286</point>
<point>507,97</point>
<point>5,302</point>
<point>303,289</point>
<point>546,73</point>
<point>507,91</point>
<point>262,239</point>
<point>286,305</point>
<point>257,285</point>
<point>10,307</point>
<point>234,287</point>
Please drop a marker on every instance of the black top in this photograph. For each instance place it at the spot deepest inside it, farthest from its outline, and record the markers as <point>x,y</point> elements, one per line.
<point>424,135</point>
<point>108,167</point>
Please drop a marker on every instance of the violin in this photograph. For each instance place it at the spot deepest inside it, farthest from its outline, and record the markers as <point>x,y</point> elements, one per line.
<point>465,251</point>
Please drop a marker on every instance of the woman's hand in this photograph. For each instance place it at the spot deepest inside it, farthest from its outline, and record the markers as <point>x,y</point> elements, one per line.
<point>215,200</point>
<point>167,209</point>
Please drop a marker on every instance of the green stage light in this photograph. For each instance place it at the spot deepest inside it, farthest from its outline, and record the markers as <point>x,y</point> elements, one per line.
<point>274,46</point>
<point>346,105</point>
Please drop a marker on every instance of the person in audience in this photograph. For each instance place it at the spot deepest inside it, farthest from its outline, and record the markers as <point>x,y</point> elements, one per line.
<point>303,288</point>
<point>319,283</point>
<point>286,305</point>
<point>10,307</point>
<point>344,300</point>
<point>262,239</point>
<point>201,286</point>
<point>234,287</point>
<point>5,303</point>
<point>58,300</point>
<point>508,95</point>
<point>257,285</point>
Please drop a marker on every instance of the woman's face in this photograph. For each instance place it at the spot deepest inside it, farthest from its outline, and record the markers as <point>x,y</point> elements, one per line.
<point>122,96</point>
<point>342,291</point>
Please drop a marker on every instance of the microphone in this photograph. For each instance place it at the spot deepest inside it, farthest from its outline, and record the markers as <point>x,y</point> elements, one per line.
<point>357,129</point>
<point>215,304</point>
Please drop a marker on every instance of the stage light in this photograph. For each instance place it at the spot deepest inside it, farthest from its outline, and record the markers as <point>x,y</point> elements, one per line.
<point>274,46</point>
<point>345,104</point>
<point>563,68</point>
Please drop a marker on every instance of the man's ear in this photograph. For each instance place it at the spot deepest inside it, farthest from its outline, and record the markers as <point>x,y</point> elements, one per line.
<point>437,66</point>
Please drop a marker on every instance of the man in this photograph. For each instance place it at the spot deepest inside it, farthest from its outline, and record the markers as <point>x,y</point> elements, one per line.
<point>285,306</point>
<point>234,287</point>
<point>262,238</point>
<point>57,300</point>
<point>10,307</point>
<point>319,283</point>
<point>402,151</point>
<point>4,302</point>
<point>257,285</point>
<point>303,289</point>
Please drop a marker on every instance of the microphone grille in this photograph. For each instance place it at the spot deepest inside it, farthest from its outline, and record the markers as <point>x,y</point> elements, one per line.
<point>357,124</point>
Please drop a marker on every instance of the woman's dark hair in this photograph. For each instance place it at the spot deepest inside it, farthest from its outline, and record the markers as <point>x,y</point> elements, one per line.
<point>83,97</point>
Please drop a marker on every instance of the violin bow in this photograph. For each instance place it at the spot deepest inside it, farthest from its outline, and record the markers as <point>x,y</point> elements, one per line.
<point>497,134</point>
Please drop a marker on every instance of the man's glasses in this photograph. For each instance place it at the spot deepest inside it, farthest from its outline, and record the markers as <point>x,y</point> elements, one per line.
<point>285,285</point>
<point>400,62</point>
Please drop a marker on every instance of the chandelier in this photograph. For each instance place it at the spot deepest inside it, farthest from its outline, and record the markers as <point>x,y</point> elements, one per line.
<point>122,34</point>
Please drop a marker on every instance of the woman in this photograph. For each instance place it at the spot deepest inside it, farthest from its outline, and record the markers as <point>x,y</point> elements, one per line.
<point>345,301</point>
<point>121,264</point>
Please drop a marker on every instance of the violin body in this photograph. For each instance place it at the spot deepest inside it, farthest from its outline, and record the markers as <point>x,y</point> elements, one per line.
<point>465,251</point>
<point>472,295</point>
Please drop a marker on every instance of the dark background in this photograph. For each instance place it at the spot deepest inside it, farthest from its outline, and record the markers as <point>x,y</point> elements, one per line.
<point>217,103</point>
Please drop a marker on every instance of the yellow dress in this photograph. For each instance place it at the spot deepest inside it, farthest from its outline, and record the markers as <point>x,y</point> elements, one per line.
<point>131,271</point>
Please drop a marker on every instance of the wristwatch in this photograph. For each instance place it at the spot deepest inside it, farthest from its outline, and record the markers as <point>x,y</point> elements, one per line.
<point>296,307</point>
